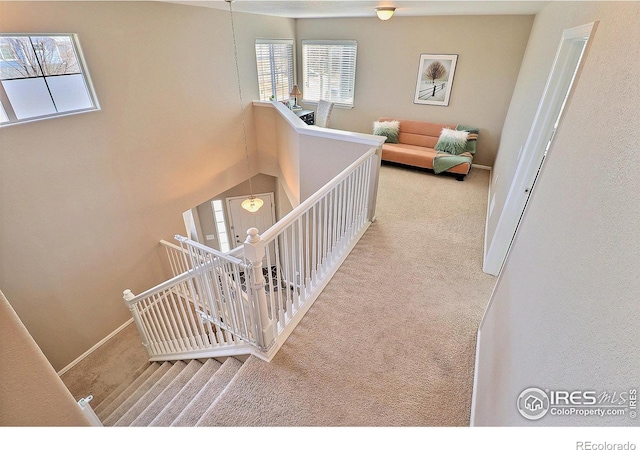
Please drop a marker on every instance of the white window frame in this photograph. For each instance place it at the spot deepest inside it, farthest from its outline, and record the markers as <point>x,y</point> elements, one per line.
<point>220,220</point>
<point>5,103</point>
<point>264,95</point>
<point>308,93</point>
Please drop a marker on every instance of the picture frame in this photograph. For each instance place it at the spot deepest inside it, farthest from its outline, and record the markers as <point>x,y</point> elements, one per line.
<point>435,79</point>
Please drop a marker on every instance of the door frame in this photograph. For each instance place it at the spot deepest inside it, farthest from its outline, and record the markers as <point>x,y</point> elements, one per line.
<point>543,130</point>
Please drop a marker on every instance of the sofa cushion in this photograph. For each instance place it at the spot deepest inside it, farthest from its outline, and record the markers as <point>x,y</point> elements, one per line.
<point>419,140</point>
<point>411,155</point>
<point>452,141</point>
<point>389,129</point>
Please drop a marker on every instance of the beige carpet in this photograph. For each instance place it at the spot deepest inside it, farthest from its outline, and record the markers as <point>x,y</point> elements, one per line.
<point>117,361</point>
<point>391,340</point>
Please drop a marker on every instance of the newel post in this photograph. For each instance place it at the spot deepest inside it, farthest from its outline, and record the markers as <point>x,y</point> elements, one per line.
<point>254,252</point>
<point>127,295</point>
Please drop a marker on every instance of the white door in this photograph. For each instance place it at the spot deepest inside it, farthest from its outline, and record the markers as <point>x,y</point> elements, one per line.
<point>240,220</point>
<point>561,79</point>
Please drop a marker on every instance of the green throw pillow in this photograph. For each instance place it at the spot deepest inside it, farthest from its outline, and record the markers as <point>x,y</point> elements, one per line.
<point>390,129</point>
<point>452,141</point>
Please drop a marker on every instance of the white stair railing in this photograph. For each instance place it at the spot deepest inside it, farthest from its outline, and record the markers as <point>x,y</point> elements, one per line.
<point>299,254</point>
<point>200,311</point>
<point>249,303</point>
<point>176,257</point>
<point>225,282</point>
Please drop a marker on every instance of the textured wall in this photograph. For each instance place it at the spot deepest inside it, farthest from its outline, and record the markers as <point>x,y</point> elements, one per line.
<point>489,49</point>
<point>565,312</point>
<point>31,393</point>
<point>86,198</point>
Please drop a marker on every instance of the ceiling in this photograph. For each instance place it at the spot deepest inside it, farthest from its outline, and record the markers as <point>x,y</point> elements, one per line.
<point>299,9</point>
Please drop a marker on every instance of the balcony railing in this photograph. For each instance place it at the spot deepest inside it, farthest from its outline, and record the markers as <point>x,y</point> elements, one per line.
<point>249,300</point>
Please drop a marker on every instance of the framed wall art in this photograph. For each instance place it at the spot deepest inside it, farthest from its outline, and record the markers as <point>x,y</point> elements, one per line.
<point>435,78</point>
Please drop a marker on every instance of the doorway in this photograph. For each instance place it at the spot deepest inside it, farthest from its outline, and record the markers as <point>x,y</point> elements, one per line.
<point>562,78</point>
<point>240,220</point>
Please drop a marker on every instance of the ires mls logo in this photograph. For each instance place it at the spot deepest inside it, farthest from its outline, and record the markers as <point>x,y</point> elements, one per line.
<point>534,403</point>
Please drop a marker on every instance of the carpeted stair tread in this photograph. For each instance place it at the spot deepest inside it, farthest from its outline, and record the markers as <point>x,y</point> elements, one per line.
<point>158,387</point>
<point>209,416</point>
<point>116,392</point>
<point>158,404</point>
<point>208,394</point>
<point>214,415</point>
<point>124,395</point>
<point>135,395</point>
<point>173,409</point>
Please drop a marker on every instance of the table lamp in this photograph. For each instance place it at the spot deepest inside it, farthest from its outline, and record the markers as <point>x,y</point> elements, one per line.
<point>295,94</point>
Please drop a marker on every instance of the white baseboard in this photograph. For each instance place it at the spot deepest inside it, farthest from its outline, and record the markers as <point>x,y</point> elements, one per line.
<point>480,166</point>
<point>95,347</point>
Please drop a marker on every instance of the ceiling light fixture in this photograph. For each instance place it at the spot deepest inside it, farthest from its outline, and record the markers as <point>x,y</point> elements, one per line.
<point>251,204</point>
<point>385,12</point>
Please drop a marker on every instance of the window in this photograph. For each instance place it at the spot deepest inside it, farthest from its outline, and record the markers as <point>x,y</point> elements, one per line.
<point>42,76</point>
<point>274,58</point>
<point>329,71</point>
<point>221,226</point>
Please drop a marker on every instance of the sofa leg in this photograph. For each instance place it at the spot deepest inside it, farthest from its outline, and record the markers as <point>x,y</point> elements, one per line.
<point>460,177</point>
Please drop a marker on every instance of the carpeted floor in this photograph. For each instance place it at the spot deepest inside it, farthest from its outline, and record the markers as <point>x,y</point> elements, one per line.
<point>116,362</point>
<point>391,340</point>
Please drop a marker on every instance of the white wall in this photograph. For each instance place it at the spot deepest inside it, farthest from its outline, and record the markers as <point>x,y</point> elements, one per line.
<point>86,198</point>
<point>565,313</point>
<point>306,157</point>
<point>322,159</point>
<point>32,394</point>
<point>489,49</point>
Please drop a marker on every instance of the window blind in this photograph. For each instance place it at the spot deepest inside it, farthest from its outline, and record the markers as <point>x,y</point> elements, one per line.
<point>329,71</point>
<point>274,59</point>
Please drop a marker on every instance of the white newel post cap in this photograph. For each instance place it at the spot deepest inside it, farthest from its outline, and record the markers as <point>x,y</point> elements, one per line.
<point>127,294</point>
<point>253,236</point>
<point>253,246</point>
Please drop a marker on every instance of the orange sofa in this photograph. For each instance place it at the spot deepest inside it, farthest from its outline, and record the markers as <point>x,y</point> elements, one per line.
<point>415,147</point>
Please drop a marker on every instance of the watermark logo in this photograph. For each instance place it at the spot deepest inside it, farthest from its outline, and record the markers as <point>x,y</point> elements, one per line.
<point>535,403</point>
<point>588,445</point>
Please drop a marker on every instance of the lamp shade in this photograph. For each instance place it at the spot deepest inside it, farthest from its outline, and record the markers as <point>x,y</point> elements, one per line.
<point>295,92</point>
<point>385,13</point>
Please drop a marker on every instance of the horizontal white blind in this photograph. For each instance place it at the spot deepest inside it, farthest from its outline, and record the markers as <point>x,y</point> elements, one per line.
<point>329,71</point>
<point>274,58</point>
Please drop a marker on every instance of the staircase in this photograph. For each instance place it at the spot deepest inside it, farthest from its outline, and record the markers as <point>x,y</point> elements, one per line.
<point>227,306</point>
<point>169,394</point>
<point>249,300</point>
